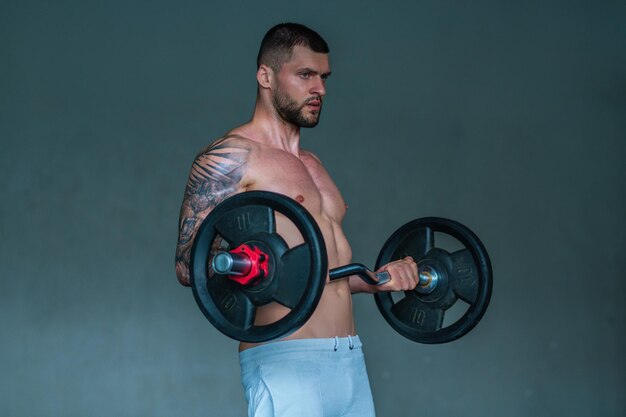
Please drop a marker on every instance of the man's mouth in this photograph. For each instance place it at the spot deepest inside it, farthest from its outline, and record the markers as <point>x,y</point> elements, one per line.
<point>314,104</point>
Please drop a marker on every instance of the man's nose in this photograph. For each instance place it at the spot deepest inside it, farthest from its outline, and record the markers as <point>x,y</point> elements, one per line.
<point>318,87</point>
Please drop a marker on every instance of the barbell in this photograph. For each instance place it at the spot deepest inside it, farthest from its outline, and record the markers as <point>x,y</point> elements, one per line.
<point>240,263</point>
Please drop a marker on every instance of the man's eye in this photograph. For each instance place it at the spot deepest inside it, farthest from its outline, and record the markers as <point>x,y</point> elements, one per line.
<point>305,75</point>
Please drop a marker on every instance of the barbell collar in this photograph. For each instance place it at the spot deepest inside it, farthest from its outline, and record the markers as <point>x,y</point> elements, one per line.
<point>429,277</point>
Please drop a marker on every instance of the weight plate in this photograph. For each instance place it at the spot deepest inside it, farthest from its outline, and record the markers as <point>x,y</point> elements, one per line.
<point>465,274</point>
<point>299,273</point>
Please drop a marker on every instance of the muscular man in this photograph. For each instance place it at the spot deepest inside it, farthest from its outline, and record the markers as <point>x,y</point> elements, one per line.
<point>319,369</point>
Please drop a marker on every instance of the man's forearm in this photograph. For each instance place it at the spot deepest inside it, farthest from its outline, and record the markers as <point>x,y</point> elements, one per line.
<point>182,268</point>
<point>357,285</point>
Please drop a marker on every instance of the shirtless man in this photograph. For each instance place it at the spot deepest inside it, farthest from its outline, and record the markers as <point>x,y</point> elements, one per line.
<point>319,369</point>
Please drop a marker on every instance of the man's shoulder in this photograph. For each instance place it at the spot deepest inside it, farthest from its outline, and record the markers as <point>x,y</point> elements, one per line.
<point>305,153</point>
<point>226,143</point>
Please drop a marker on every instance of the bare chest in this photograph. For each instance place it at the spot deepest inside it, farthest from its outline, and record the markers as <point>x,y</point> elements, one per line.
<point>304,179</point>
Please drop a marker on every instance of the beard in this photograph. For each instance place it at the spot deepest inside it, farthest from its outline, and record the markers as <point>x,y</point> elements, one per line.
<point>291,112</point>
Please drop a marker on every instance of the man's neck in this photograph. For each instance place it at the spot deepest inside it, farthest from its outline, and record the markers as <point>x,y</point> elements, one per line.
<point>268,128</point>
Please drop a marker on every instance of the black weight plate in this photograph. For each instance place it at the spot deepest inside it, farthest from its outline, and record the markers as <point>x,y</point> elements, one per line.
<point>300,271</point>
<point>468,277</point>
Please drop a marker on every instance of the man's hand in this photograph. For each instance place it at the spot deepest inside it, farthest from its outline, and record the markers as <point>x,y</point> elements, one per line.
<point>404,275</point>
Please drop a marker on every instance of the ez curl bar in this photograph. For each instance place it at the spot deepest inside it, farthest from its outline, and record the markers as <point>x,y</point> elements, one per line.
<point>239,263</point>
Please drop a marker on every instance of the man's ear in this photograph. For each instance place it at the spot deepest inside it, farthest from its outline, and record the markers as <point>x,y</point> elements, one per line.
<point>264,76</point>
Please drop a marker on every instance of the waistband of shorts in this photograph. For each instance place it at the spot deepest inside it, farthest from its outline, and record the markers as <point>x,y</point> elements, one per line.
<point>330,344</point>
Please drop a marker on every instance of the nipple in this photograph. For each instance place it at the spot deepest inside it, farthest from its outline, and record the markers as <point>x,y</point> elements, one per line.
<point>300,199</point>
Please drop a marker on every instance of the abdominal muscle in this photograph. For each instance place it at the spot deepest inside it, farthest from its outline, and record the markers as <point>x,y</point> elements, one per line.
<point>333,314</point>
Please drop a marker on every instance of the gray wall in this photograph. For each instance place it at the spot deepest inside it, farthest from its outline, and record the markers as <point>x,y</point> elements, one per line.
<point>507,116</point>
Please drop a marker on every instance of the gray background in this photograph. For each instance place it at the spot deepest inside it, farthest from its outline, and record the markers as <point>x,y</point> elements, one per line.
<point>506,116</point>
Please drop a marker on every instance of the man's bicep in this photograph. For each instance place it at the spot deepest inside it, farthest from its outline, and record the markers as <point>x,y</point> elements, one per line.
<point>216,174</point>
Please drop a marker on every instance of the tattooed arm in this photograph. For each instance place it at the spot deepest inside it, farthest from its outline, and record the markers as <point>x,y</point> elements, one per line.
<point>216,173</point>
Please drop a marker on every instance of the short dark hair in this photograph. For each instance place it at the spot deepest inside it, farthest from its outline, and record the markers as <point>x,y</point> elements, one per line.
<point>278,42</point>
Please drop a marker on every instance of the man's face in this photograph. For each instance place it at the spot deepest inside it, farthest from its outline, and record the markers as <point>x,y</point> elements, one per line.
<point>300,87</point>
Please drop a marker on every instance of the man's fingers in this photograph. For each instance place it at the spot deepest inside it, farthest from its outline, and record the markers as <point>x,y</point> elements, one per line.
<point>404,274</point>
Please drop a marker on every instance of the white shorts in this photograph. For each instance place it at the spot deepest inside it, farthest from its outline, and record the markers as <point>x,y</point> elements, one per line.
<point>307,378</point>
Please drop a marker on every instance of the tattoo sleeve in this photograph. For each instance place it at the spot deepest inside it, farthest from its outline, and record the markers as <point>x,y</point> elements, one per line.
<point>216,173</point>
